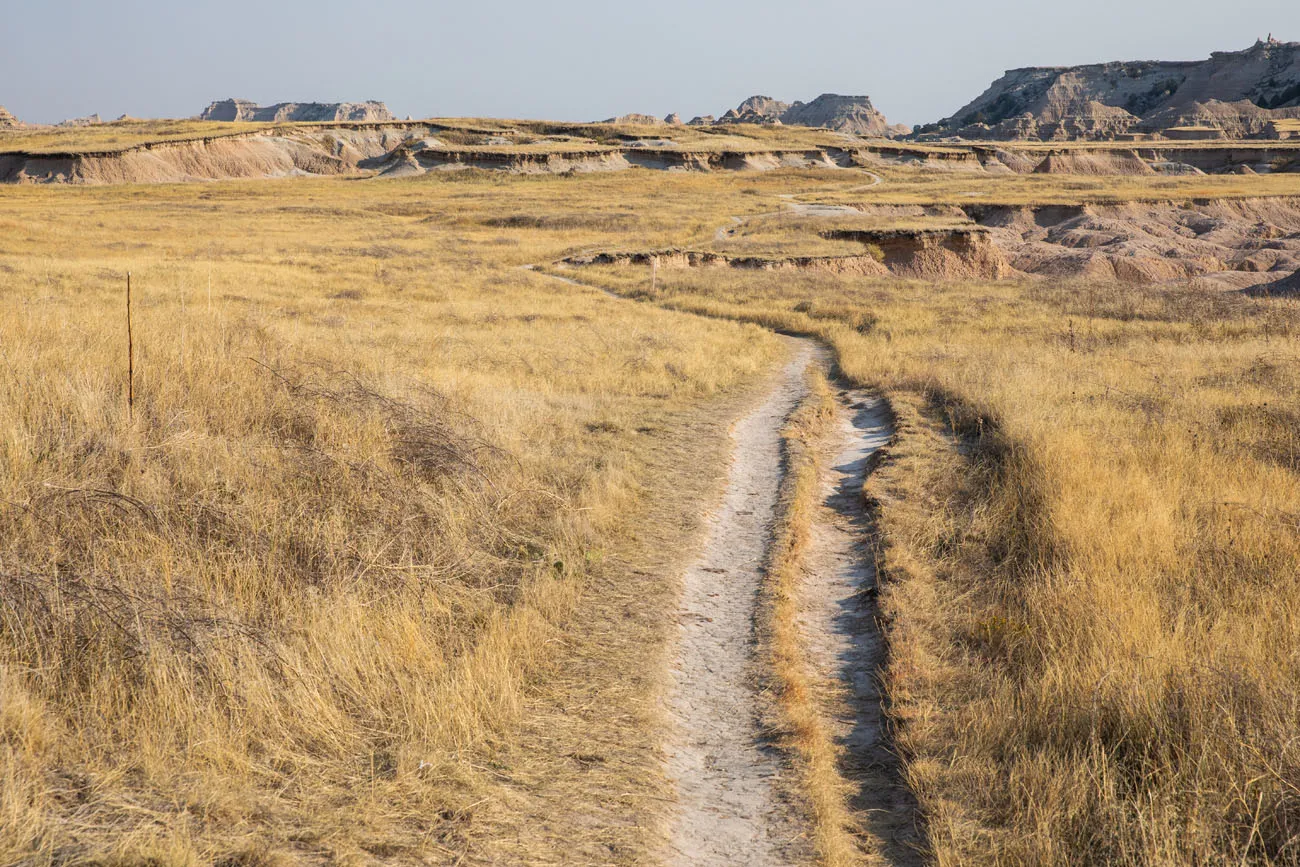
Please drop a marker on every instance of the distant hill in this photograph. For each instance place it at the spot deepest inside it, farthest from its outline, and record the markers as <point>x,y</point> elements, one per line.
<point>246,110</point>
<point>7,120</point>
<point>1236,94</point>
<point>849,114</point>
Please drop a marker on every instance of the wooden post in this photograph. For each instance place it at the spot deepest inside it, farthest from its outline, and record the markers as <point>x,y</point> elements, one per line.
<point>654,274</point>
<point>130,355</point>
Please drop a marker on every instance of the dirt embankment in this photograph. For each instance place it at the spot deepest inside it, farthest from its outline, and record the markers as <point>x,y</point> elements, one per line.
<point>420,158</point>
<point>922,254</point>
<point>389,150</point>
<point>398,149</point>
<point>1234,242</point>
<point>254,155</point>
<point>1090,161</point>
<point>674,258</point>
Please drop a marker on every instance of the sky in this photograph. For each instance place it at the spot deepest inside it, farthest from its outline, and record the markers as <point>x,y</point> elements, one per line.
<point>581,59</point>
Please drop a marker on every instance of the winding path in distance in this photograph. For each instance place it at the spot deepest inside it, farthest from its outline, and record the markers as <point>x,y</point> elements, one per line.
<point>794,207</point>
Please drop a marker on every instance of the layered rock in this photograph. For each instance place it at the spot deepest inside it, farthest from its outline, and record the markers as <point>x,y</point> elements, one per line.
<point>849,114</point>
<point>247,110</point>
<point>7,120</point>
<point>1238,93</point>
<point>762,107</point>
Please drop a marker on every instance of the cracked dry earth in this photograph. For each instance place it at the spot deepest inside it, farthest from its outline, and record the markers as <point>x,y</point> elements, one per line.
<point>731,809</point>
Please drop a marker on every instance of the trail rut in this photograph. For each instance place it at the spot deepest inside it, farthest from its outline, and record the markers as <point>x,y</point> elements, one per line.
<point>838,622</point>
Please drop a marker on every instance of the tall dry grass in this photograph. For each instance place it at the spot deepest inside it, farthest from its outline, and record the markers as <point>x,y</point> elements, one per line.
<point>305,604</point>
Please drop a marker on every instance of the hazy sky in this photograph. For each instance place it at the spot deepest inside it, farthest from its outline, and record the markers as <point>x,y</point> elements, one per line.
<point>580,59</point>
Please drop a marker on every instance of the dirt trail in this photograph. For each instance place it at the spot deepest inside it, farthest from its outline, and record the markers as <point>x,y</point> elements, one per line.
<point>838,620</point>
<point>794,207</point>
<point>729,810</point>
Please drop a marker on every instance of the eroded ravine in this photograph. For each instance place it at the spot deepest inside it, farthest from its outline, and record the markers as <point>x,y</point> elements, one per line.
<point>838,620</point>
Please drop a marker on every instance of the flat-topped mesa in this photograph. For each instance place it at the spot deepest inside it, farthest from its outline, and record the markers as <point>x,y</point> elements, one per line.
<point>1233,94</point>
<point>7,120</point>
<point>317,112</point>
<point>848,114</point>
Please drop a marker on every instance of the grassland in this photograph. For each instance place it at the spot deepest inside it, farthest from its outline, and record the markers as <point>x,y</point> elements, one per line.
<point>937,186</point>
<point>353,582</point>
<point>117,136</point>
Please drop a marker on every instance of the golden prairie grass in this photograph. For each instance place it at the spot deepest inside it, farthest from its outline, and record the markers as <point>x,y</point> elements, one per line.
<point>1091,541</point>
<point>307,605</point>
<point>947,187</point>
<point>117,135</point>
<point>299,608</point>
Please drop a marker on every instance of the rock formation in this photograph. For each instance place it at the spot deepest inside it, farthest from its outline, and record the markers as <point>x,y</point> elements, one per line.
<point>673,119</point>
<point>246,110</point>
<point>850,114</point>
<point>762,106</point>
<point>1239,94</point>
<point>88,120</point>
<point>7,120</point>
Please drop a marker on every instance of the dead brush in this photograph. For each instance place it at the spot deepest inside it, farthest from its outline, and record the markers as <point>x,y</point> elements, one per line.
<point>435,440</point>
<point>64,621</point>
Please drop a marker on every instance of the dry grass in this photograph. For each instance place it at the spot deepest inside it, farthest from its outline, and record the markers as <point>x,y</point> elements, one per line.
<point>305,606</point>
<point>117,135</point>
<point>938,186</point>
<point>319,601</point>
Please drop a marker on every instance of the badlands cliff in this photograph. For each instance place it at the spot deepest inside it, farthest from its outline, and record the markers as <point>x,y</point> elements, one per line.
<point>854,115</point>
<point>1233,94</point>
<point>848,114</point>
